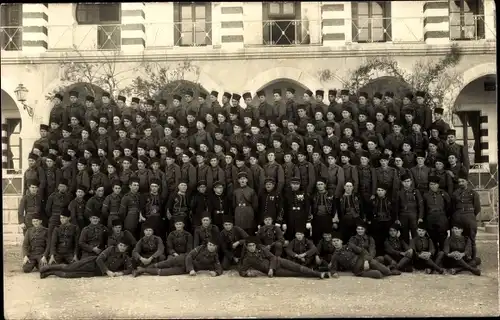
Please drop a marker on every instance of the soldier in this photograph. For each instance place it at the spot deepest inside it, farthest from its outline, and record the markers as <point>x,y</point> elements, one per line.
<point>77,207</point>
<point>245,204</point>
<point>397,254</point>
<point>387,176</point>
<point>322,210</point>
<point>367,181</point>
<point>153,208</point>
<point>179,241</point>
<point>57,202</point>
<point>34,172</point>
<point>93,237</point>
<point>113,262</point>
<point>348,211</point>
<point>149,249</point>
<point>325,251</point>
<point>457,253</point>
<point>306,171</point>
<point>64,241</point>
<point>205,231</point>
<point>460,152</point>
<point>35,245</point>
<point>445,179</point>
<point>424,251</point>
<point>82,177</point>
<point>301,250</point>
<point>172,172</point>
<point>335,178</point>
<point>98,177</point>
<point>466,207</point>
<point>52,175</point>
<point>231,242</point>
<point>440,124</point>
<point>178,205</point>
<point>204,257</point>
<point>130,207</point>
<point>409,208</point>
<point>188,171</point>
<point>437,206</point>
<point>381,218</point>
<point>271,236</point>
<point>257,258</point>
<point>94,205</point>
<point>117,233</point>
<point>30,205</point>
<point>111,205</point>
<point>359,264</point>
<point>270,202</point>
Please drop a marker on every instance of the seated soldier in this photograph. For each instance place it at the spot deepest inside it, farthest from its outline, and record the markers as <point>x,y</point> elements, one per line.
<point>325,251</point>
<point>118,232</point>
<point>361,242</point>
<point>204,257</point>
<point>64,241</point>
<point>35,245</point>
<point>149,249</point>
<point>179,241</point>
<point>457,251</point>
<point>423,251</point>
<point>398,255</point>
<point>93,237</point>
<point>301,250</point>
<point>205,231</point>
<point>231,242</point>
<point>360,264</point>
<point>271,236</point>
<point>113,262</point>
<point>257,259</point>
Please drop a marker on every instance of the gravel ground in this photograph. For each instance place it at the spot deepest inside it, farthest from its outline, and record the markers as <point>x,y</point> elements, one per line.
<point>416,295</point>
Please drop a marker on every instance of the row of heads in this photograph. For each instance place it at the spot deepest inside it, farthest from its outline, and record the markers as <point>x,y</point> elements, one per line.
<point>320,94</point>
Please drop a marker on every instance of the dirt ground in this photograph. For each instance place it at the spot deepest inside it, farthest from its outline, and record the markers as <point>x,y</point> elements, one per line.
<point>28,297</point>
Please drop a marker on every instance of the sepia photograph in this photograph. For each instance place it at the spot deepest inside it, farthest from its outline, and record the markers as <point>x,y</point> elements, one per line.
<point>276,159</point>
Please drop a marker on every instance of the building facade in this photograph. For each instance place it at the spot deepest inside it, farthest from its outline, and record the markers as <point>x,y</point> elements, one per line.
<point>243,46</point>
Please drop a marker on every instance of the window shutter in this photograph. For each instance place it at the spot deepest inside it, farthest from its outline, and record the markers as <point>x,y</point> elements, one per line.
<point>208,21</point>
<point>387,21</point>
<point>266,24</point>
<point>354,21</point>
<point>177,23</point>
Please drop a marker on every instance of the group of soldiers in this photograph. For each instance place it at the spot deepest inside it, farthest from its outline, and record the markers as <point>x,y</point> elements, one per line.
<point>370,185</point>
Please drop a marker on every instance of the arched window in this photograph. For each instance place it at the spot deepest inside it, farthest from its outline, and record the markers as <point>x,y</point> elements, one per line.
<point>466,20</point>
<point>98,13</point>
<point>371,21</point>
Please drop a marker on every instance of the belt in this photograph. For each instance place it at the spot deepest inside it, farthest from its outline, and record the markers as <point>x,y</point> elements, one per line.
<point>220,212</point>
<point>295,208</point>
<point>242,204</point>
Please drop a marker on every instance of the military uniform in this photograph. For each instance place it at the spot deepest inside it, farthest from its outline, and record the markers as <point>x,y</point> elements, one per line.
<point>227,239</point>
<point>202,234</point>
<point>64,243</point>
<point>296,213</point>
<point>149,247</point>
<point>410,209</point>
<point>466,207</point>
<point>348,210</point>
<point>381,219</point>
<point>92,236</point>
<point>437,206</point>
<point>424,244</point>
<point>111,209</point>
<point>297,247</point>
<point>322,210</point>
<point>200,258</point>
<point>56,203</point>
<point>272,236</point>
<point>35,246</point>
<point>179,242</point>
<point>130,209</point>
<point>178,206</point>
<point>29,206</point>
<point>461,244</point>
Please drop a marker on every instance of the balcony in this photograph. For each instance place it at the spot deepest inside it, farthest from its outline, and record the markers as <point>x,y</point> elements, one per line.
<point>469,27</point>
<point>85,37</point>
<point>11,38</point>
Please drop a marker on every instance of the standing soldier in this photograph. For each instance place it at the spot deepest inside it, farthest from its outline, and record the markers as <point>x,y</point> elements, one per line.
<point>297,208</point>
<point>232,242</point>
<point>367,182</point>
<point>172,172</point>
<point>348,211</point>
<point>178,206</point>
<point>111,205</point>
<point>466,207</point>
<point>460,152</point>
<point>245,204</point>
<point>52,175</point>
<point>34,172</point>
<point>130,207</point>
<point>388,176</point>
<point>409,209</point>
<point>322,210</point>
<point>153,206</point>
<point>274,170</point>
<point>306,171</point>
<point>218,204</point>
<point>437,207</point>
<point>265,109</point>
<point>36,245</point>
<point>57,203</point>
<point>270,202</point>
<point>335,178</point>
<point>381,217</point>
<point>29,206</point>
<point>421,173</point>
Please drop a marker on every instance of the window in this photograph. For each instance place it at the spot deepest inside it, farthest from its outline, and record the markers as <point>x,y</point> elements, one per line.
<point>282,24</point>
<point>466,20</point>
<point>11,33</point>
<point>107,18</point>
<point>371,21</point>
<point>13,145</point>
<point>193,25</point>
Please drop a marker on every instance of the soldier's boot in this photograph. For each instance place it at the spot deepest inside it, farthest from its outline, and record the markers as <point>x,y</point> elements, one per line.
<point>72,274</point>
<point>374,274</point>
<point>174,271</point>
<point>404,264</point>
<point>468,267</point>
<point>311,273</point>
<point>434,266</point>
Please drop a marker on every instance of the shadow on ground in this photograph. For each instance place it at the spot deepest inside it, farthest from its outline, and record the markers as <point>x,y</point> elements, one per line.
<point>417,294</point>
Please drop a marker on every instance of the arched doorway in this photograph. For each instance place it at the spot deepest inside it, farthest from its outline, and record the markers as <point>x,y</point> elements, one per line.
<point>11,145</point>
<point>281,84</point>
<point>387,83</point>
<point>475,106</point>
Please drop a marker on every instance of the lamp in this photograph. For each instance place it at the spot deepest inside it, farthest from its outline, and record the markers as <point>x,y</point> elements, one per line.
<point>21,93</point>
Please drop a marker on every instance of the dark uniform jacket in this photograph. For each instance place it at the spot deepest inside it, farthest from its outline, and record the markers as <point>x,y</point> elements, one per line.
<point>325,250</point>
<point>393,246</point>
<point>29,205</point>
<point>422,244</point>
<point>64,240</point>
<point>461,244</point>
<point>466,201</point>
<point>271,203</point>
<point>93,235</point>
<point>343,259</point>
<point>201,259</point>
<point>57,202</point>
<point>262,260</point>
<point>111,205</point>
<point>36,242</point>
<point>147,247</point>
<point>77,208</point>
<point>269,235</point>
<point>111,259</point>
<point>438,202</point>
<point>227,238</point>
<point>410,202</point>
<point>180,242</point>
<point>303,246</point>
<point>114,237</point>
<point>364,243</point>
<point>202,234</point>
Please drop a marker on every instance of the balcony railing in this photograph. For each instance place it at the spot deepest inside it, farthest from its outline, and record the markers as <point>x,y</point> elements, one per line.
<point>85,37</point>
<point>468,27</point>
<point>285,32</point>
<point>11,38</point>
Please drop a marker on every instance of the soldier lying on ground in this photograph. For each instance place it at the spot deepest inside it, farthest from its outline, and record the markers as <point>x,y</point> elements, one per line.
<point>257,258</point>
<point>113,262</point>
